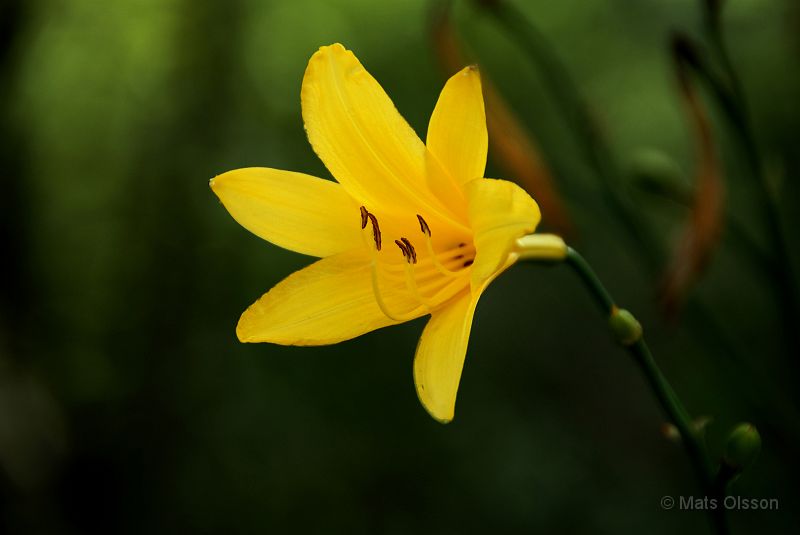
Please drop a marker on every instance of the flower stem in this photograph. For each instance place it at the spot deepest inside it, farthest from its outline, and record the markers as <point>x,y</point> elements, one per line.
<point>590,279</point>
<point>666,396</point>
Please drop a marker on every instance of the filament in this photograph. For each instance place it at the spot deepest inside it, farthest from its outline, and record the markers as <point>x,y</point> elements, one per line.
<point>411,283</point>
<point>426,230</point>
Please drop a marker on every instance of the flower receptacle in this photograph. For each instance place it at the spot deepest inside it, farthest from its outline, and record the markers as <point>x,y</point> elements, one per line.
<point>541,247</point>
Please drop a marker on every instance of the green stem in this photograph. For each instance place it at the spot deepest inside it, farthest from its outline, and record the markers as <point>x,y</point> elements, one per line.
<point>674,408</point>
<point>666,396</point>
<point>590,279</point>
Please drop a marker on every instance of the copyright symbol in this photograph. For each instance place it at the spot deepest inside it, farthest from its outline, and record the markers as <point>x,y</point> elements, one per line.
<point>667,502</point>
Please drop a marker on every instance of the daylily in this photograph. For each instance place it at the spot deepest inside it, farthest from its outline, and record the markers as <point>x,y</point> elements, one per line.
<point>410,229</point>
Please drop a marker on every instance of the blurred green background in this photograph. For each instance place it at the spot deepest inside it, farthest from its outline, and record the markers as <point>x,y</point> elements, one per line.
<point>128,406</point>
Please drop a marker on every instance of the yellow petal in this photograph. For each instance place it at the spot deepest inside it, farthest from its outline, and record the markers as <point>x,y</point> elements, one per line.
<point>442,184</point>
<point>499,212</point>
<point>439,360</point>
<point>327,302</point>
<point>363,140</point>
<point>295,211</point>
<point>457,129</point>
<point>440,356</point>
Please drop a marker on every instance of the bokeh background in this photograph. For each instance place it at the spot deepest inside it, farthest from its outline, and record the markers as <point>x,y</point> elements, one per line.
<point>128,406</point>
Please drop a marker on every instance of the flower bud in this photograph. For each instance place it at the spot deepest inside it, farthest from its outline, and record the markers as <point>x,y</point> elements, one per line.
<point>742,446</point>
<point>626,328</point>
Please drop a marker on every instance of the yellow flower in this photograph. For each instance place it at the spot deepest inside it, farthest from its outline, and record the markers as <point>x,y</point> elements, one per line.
<point>410,229</point>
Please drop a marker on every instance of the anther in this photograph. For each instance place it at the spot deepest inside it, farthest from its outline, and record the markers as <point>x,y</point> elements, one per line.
<point>412,253</point>
<point>364,215</point>
<point>403,248</point>
<point>468,262</point>
<point>423,226</point>
<point>376,230</point>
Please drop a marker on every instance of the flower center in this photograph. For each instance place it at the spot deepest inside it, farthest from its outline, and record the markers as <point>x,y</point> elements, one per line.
<point>419,282</point>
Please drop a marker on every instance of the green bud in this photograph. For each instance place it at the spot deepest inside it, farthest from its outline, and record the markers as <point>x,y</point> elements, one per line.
<point>626,329</point>
<point>742,446</point>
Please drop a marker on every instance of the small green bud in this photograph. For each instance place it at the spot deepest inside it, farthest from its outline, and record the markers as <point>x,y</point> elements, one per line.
<point>626,329</point>
<point>742,446</point>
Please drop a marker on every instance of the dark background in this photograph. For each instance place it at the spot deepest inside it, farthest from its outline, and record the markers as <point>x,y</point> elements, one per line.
<point>128,406</point>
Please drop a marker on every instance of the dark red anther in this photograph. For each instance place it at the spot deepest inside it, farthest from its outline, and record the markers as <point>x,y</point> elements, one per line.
<point>364,215</point>
<point>423,226</point>
<point>412,253</point>
<point>406,253</point>
<point>376,230</point>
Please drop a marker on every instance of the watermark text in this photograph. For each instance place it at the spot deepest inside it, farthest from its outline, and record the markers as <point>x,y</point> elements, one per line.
<point>729,503</point>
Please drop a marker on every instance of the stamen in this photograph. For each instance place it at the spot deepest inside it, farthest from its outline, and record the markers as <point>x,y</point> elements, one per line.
<point>423,226</point>
<point>411,283</point>
<point>411,251</point>
<point>426,230</point>
<point>441,293</point>
<point>411,279</point>
<point>376,230</point>
<point>403,248</point>
<point>379,299</point>
<point>373,268</point>
<point>469,262</point>
<point>451,259</point>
